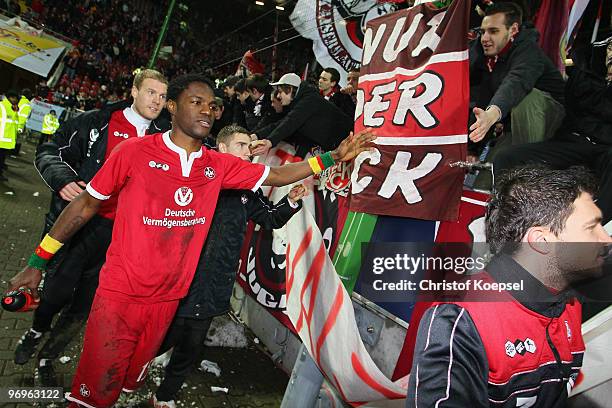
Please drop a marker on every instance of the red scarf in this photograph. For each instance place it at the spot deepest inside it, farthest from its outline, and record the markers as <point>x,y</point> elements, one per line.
<point>491,61</point>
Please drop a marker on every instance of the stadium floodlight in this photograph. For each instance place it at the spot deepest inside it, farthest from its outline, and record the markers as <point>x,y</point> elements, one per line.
<point>259,3</point>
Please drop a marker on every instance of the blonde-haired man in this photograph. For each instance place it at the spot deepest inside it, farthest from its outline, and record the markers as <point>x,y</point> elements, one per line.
<point>78,150</point>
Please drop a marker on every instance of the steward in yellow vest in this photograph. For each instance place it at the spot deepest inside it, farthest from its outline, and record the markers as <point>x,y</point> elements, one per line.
<point>50,123</point>
<point>8,127</point>
<point>24,109</point>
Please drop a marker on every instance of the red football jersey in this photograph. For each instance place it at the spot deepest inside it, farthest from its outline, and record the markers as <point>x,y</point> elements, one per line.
<point>166,201</point>
<point>119,130</point>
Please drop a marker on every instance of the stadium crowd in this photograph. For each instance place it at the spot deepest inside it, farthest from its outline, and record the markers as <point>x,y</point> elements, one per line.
<point>523,111</point>
<point>113,38</point>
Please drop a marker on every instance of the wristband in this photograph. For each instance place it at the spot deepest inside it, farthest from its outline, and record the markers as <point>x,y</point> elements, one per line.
<point>37,262</point>
<point>315,165</point>
<point>320,163</point>
<point>50,244</point>
<point>44,252</point>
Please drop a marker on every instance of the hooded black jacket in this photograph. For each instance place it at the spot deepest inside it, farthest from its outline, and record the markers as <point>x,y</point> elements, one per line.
<point>77,151</point>
<point>310,121</point>
<point>516,73</point>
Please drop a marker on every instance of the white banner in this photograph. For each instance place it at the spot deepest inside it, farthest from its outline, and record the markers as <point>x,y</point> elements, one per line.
<point>322,313</point>
<point>336,28</point>
<point>39,110</point>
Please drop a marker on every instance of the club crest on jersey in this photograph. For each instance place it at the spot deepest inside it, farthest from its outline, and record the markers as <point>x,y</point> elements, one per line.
<point>244,199</point>
<point>162,166</point>
<point>84,390</point>
<point>520,347</point>
<point>209,172</point>
<point>183,196</point>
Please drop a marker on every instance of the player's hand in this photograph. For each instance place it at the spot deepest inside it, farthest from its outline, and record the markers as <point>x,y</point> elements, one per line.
<point>484,120</point>
<point>260,147</point>
<point>353,145</point>
<point>28,278</point>
<point>297,193</point>
<point>71,190</point>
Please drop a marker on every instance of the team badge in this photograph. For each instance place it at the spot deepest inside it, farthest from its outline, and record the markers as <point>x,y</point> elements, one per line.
<point>183,196</point>
<point>244,199</point>
<point>520,347</point>
<point>209,172</point>
<point>84,391</point>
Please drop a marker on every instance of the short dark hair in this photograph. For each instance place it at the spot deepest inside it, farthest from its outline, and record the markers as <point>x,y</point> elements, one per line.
<point>532,196</point>
<point>11,93</point>
<point>227,133</point>
<point>240,86</point>
<point>52,112</point>
<point>288,89</point>
<point>230,81</point>
<point>511,11</point>
<point>335,75</point>
<point>180,83</point>
<point>27,93</point>
<point>256,81</point>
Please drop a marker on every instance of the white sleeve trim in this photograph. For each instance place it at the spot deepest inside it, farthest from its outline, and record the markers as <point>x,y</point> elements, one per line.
<point>95,194</point>
<point>263,178</point>
<point>71,398</point>
<point>450,361</point>
<point>293,204</point>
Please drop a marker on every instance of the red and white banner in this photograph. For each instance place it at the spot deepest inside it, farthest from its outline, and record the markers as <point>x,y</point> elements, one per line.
<point>414,92</point>
<point>249,65</point>
<point>262,259</point>
<point>336,29</point>
<point>322,313</point>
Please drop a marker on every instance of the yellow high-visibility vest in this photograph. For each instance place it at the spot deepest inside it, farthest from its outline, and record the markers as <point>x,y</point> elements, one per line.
<point>50,124</point>
<point>8,125</point>
<point>24,112</point>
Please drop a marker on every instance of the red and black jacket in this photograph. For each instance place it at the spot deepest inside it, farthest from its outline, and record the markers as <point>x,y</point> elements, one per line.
<point>523,352</point>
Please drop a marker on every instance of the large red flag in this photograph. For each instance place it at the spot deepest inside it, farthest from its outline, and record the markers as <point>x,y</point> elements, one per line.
<point>414,91</point>
<point>249,65</point>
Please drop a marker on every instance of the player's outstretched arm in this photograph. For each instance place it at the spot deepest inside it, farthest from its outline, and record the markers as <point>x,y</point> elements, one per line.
<point>348,149</point>
<point>74,216</point>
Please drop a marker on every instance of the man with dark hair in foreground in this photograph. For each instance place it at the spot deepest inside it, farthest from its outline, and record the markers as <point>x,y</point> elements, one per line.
<point>211,289</point>
<point>525,348</point>
<point>167,187</point>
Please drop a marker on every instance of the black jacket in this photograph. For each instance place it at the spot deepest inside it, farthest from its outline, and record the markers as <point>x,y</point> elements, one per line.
<point>77,151</point>
<point>237,112</point>
<point>516,73</point>
<point>344,102</point>
<point>589,108</point>
<point>310,121</point>
<point>211,288</point>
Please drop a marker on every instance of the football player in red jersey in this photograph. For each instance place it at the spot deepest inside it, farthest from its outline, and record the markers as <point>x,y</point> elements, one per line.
<point>167,187</point>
